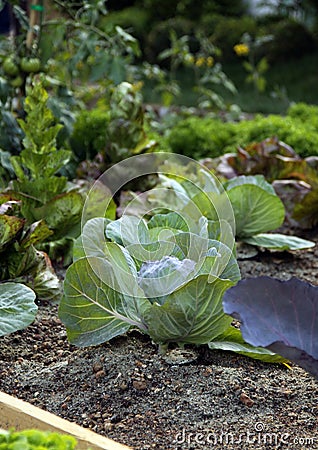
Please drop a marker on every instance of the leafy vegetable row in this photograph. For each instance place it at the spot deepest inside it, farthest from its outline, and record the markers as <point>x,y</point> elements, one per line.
<point>32,439</point>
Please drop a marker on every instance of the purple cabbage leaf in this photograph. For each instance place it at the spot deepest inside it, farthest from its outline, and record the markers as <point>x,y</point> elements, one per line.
<point>281,316</point>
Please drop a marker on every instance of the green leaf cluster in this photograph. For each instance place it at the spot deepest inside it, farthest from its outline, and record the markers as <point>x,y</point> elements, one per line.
<point>89,133</point>
<point>165,281</point>
<point>105,136</point>
<point>125,134</point>
<point>20,260</point>
<point>255,206</point>
<point>17,308</point>
<point>294,179</point>
<point>207,137</point>
<point>80,46</point>
<point>163,273</point>
<point>33,439</point>
<point>42,192</point>
<point>200,137</point>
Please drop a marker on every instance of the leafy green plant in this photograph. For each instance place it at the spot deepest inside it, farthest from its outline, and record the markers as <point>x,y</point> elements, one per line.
<point>20,260</point>
<point>178,53</point>
<point>205,137</point>
<point>136,19</point>
<point>304,112</point>
<point>294,179</point>
<point>89,133</point>
<point>17,308</point>
<point>123,135</point>
<point>76,45</point>
<point>158,39</point>
<point>64,46</point>
<point>25,272</point>
<point>301,135</point>
<point>200,137</point>
<point>60,44</point>
<point>256,207</point>
<point>164,273</point>
<point>124,292</point>
<point>32,439</point>
<point>42,192</point>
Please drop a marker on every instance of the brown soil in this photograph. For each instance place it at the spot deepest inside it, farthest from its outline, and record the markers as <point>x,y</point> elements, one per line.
<point>201,400</point>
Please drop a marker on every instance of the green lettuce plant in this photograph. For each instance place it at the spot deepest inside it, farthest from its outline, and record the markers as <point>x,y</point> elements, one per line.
<point>32,439</point>
<point>207,137</point>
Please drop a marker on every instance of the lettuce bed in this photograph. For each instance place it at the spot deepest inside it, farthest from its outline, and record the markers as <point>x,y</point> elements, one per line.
<point>35,440</point>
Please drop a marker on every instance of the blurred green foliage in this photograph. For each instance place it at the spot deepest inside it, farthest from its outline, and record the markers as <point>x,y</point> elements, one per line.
<point>205,137</point>
<point>89,133</point>
<point>200,137</point>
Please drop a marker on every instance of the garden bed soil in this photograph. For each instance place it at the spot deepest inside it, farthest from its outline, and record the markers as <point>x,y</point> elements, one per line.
<point>201,399</point>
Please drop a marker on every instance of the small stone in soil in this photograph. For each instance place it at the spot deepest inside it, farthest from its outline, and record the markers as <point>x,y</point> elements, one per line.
<point>97,367</point>
<point>244,398</point>
<point>100,374</point>
<point>139,385</point>
<point>179,356</point>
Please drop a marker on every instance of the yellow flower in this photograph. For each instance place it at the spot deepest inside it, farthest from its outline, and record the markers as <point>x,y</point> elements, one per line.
<point>200,61</point>
<point>241,49</point>
<point>210,61</point>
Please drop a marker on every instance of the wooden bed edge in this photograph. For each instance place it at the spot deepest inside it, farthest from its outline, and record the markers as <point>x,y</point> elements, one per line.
<point>22,415</point>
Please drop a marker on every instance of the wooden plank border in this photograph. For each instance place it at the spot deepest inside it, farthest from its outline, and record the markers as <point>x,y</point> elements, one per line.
<point>22,415</point>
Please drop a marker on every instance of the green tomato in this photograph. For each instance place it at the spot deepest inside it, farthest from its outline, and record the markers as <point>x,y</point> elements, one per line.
<point>10,67</point>
<point>4,90</point>
<point>17,81</point>
<point>30,65</point>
